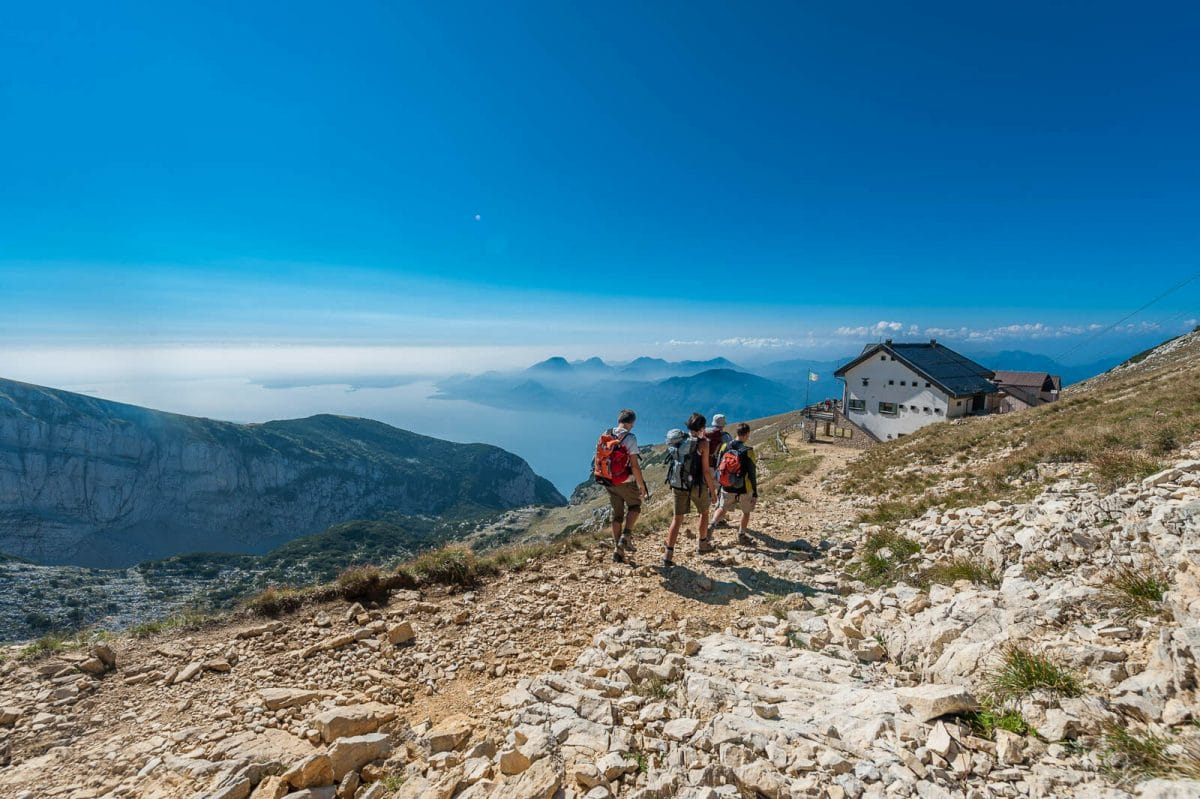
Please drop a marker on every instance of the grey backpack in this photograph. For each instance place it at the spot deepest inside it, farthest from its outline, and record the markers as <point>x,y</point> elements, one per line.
<point>683,464</point>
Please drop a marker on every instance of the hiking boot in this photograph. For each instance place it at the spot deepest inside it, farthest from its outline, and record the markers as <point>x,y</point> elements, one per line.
<point>722,523</point>
<point>618,557</point>
<point>705,546</point>
<point>667,565</point>
<point>626,544</point>
<point>745,540</point>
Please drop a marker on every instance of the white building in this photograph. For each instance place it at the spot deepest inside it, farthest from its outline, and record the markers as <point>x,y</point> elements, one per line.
<point>893,389</point>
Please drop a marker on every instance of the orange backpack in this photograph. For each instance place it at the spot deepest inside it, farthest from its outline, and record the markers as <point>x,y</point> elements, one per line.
<point>611,466</point>
<point>729,471</point>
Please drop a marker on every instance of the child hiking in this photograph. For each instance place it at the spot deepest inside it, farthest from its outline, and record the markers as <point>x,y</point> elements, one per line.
<point>616,461</point>
<point>737,472</point>
<point>692,484</point>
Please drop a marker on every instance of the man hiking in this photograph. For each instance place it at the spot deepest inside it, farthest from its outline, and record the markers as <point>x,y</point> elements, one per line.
<point>616,461</point>
<point>717,439</point>
<point>737,473</point>
<point>692,484</point>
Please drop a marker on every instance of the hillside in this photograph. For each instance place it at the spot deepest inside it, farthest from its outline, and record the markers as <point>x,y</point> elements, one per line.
<point>90,482</point>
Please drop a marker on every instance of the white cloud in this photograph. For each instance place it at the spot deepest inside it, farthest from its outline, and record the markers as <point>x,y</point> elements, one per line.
<point>757,343</point>
<point>878,328</point>
<point>1022,331</point>
<point>1189,324</point>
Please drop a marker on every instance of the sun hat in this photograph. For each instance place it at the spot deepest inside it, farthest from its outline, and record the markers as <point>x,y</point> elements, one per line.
<point>718,420</point>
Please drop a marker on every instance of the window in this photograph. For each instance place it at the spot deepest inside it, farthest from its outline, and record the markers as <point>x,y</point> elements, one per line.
<point>926,385</point>
<point>891,382</point>
<point>905,384</point>
<point>958,404</point>
<point>866,381</point>
<point>914,407</point>
<point>926,410</point>
<point>883,357</point>
<point>937,411</point>
<point>888,408</point>
<point>858,405</point>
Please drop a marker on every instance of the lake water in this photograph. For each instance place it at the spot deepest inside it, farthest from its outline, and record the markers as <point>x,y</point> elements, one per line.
<point>558,446</point>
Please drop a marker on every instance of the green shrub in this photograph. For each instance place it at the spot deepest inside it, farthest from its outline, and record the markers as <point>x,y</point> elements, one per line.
<point>986,721</point>
<point>1022,671</point>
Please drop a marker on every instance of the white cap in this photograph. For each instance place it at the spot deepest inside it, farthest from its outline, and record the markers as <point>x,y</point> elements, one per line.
<point>718,420</point>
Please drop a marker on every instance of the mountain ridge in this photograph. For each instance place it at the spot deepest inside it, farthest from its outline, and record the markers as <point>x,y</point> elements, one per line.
<point>94,482</point>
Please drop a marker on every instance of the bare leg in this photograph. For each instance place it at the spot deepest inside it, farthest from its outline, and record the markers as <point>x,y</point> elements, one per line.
<point>673,531</point>
<point>631,519</point>
<point>703,534</point>
<point>745,520</point>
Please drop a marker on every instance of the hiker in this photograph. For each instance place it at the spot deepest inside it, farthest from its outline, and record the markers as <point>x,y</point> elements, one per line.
<point>737,473</point>
<point>717,440</point>
<point>616,461</point>
<point>692,483</point>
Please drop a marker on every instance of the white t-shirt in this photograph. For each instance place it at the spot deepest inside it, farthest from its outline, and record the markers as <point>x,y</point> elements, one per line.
<point>629,442</point>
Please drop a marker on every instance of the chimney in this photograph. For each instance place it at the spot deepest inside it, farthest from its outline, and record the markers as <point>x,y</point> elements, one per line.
<point>887,341</point>
<point>932,341</point>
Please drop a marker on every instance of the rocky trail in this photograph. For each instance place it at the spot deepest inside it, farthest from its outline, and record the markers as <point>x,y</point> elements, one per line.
<point>770,670</point>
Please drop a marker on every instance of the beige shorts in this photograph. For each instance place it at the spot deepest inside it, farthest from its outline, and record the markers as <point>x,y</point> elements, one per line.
<point>696,495</point>
<point>624,497</point>
<point>743,501</point>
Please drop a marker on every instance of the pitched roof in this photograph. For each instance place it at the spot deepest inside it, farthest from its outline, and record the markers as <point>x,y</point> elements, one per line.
<point>955,374</point>
<point>1035,380</point>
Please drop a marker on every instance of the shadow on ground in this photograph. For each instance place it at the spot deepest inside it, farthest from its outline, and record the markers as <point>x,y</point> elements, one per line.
<point>691,584</point>
<point>757,581</point>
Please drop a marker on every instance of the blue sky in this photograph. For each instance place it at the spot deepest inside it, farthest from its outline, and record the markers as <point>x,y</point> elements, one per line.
<point>615,178</point>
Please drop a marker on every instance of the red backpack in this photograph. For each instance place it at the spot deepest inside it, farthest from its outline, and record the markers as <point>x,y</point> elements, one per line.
<point>730,473</point>
<point>611,466</point>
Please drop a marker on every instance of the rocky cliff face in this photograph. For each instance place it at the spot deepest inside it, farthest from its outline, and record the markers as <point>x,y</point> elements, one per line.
<point>90,482</point>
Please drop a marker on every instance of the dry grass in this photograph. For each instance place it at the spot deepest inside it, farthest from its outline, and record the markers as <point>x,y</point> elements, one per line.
<point>951,571</point>
<point>1122,426</point>
<point>1128,758</point>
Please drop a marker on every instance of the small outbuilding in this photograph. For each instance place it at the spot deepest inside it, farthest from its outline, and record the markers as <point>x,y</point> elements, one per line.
<point>1021,390</point>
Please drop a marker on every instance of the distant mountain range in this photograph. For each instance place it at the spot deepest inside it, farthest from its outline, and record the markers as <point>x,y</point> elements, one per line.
<point>89,482</point>
<point>664,392</point>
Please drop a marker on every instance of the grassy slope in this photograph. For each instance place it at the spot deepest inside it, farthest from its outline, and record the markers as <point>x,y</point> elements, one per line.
<point>1123,424</point>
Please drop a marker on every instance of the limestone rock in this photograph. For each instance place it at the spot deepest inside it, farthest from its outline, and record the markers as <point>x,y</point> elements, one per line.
<point>311,772</point>
<point>450,734</point>
<point>348,720</point>
<point>351,753</point>
<point>928,702</point>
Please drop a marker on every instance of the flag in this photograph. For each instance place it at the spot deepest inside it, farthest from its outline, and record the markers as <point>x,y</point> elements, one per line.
<point>812,376</point>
